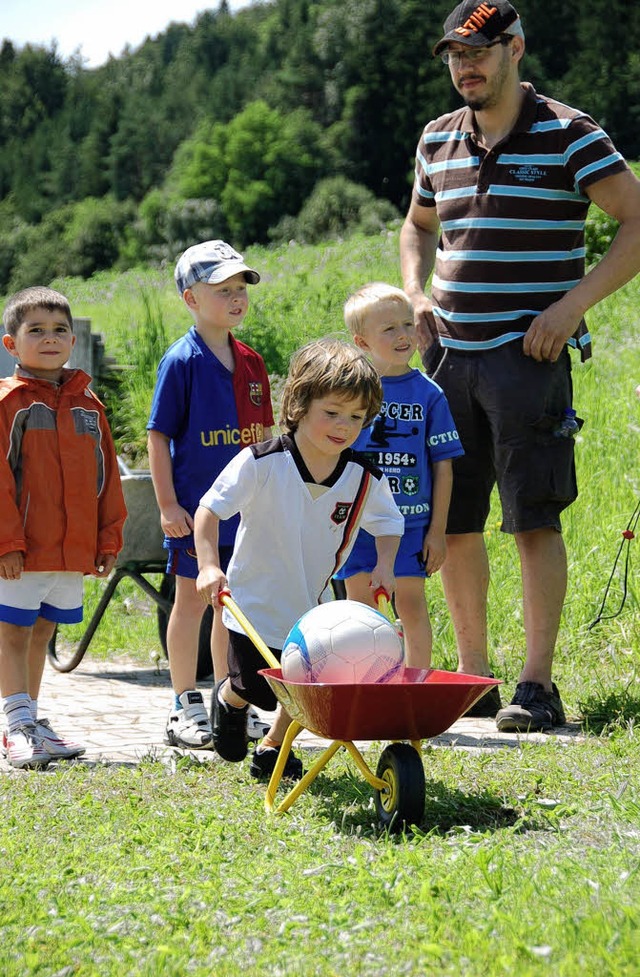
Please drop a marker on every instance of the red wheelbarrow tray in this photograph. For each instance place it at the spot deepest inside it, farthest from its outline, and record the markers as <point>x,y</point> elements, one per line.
<point>415,704</point>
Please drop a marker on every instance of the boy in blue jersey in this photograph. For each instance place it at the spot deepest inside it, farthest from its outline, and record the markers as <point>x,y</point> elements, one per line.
<point>412,440</point>
<point>212,398</point>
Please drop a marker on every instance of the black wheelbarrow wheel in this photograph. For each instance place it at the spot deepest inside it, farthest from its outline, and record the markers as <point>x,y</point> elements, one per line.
<point>402,803</point>
<point>167,591</point>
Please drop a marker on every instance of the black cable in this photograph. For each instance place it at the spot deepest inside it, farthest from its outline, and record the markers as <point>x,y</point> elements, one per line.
<point>627,535</point>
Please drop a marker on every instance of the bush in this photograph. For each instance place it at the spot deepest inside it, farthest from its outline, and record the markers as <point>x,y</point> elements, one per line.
<point>166,225</point>
<point>75,240</point>
<point>335,208</point>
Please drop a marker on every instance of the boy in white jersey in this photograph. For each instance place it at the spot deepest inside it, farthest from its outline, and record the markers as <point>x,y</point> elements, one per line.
<point>302,498</point>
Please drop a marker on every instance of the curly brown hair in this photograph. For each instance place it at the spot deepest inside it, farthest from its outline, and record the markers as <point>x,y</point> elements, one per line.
<point>328,366</point>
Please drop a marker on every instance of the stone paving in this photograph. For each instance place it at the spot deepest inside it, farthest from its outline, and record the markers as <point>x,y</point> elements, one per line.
<point>118,709</point>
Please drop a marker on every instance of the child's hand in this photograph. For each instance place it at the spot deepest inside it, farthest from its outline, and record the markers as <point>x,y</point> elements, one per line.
<point>176,521</point>
<point>382,576</point>
<point>11,565</point>
<point>434,551</point>
<point>211,580</point>
<point>104,564</point>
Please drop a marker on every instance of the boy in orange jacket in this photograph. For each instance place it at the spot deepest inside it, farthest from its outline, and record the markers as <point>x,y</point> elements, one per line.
<point>62,509</point>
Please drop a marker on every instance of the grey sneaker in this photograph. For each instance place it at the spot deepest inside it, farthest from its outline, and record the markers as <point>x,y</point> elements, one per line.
<point>23,747</point>
<point>189,728</point>
<point>532,708</point>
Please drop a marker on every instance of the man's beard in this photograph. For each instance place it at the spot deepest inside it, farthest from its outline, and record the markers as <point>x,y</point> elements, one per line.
<point>492,94</point>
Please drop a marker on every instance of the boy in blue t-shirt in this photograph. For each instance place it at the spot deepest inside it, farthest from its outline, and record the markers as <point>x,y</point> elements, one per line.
<point>212,398</point>
<point>412,440</point>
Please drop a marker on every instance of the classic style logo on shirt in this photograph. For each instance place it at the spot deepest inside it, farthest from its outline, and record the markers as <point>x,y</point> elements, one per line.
<point>528,173</point>
<point>255,393</point>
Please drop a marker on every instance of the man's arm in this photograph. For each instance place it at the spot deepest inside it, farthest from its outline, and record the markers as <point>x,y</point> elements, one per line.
<point>418,242</point>
<point>618,196</point>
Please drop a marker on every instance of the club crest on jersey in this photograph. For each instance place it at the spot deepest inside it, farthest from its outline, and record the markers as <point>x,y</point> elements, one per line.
<point>341,512</point>
<point>255,393</point>
<point>410,484</point>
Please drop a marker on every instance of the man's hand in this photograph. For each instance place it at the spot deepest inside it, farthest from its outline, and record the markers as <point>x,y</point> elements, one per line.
<point>547,335</point>
<point>426,329</point>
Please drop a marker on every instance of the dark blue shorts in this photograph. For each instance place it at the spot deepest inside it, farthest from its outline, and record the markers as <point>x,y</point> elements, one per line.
<point>506,406</point>
<point>184,562</point>
<point>363,557</point>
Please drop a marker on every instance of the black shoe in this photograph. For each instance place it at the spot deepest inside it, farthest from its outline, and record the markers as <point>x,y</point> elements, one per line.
<point>487,706</point>
<point>264,761</point>
<point>532,708</point>
<point>229,727</point>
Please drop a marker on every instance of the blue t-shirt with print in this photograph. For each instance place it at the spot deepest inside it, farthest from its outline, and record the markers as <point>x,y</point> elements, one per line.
<point>413,430</point>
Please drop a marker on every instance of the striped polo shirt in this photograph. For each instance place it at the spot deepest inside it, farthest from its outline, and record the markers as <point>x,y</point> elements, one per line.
<point>511,218</point>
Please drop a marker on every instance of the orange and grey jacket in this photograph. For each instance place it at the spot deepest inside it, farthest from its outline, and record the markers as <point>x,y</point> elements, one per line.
<point>61,501</point>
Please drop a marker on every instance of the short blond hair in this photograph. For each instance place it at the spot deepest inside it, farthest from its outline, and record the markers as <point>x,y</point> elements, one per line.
<point>323,367</point>
<point>359,306</point>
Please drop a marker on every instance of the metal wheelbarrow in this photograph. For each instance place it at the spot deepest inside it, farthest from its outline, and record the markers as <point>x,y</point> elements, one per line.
<point>414,705</point>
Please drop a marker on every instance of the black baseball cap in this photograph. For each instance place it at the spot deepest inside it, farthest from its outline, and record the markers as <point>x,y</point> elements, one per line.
<point>478,24</point>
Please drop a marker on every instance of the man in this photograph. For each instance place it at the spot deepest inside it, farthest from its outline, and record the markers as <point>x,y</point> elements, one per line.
<point>500,199</point>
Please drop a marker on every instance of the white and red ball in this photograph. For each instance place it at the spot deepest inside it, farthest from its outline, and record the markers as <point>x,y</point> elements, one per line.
<point>342,642</point>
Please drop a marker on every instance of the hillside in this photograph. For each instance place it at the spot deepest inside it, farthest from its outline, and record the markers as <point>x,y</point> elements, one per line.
<point>225,127</point>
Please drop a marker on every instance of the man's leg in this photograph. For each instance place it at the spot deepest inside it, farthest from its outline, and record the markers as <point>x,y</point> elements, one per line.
<point>536,703</point>
<point>465,578</point>
<point>543,561</point>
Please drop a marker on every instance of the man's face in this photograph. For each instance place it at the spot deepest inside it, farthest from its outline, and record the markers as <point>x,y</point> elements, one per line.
<point>481,78</point>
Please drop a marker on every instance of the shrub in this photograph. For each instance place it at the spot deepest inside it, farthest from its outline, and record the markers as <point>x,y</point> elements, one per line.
<point>336,207</point>
<point>166,225</point>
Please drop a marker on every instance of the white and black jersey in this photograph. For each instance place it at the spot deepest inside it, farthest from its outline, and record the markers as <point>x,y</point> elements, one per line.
<point>294,532</point>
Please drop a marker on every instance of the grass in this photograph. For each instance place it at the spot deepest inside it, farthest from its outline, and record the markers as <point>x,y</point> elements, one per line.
<point>527,857</point>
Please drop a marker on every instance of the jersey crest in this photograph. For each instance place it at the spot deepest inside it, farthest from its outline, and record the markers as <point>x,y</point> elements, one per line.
<point>341,512</point>
<point>255,393</point>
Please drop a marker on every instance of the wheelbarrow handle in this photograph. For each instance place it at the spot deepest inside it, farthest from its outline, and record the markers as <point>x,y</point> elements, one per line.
<point>383,601</point>
<point>226,600</point>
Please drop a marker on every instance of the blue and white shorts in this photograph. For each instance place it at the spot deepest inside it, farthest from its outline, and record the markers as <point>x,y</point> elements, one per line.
<point>55,595</point>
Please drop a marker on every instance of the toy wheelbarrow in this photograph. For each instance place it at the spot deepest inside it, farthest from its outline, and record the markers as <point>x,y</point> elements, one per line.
<point>415,704</point>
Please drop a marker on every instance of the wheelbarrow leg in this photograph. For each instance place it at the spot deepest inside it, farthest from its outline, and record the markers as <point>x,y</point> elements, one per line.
<point>302,784</point>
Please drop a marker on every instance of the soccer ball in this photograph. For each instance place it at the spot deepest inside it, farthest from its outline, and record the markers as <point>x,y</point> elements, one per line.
<point>341,642</point>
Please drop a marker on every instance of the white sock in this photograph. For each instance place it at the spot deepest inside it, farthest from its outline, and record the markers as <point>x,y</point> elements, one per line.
<point>34,709</point>
<point>17,709</point>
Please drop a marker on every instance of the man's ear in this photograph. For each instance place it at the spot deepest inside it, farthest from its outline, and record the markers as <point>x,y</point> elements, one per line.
<point>9,344</point>
<point>517,47</point>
